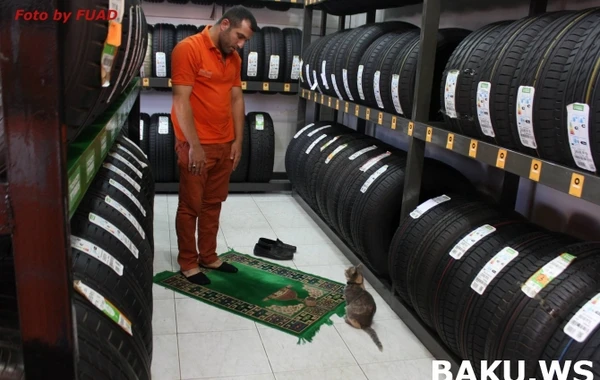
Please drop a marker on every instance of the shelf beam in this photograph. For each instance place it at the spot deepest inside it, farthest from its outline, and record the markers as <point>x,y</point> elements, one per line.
<point>291,88</point>
<point>570,181</point>
<point>36,144</point>
<point>234,187</point>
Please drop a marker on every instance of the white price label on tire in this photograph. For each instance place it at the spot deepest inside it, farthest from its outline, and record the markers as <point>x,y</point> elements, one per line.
<point>252,70</point>
<point>578,118</point>
<point>163,125</point>
<point>428,205</point>
<point>492,269</point>
<point>450,93</point>
<point>585,321</point>
<point>161,65</point>
<point>274,67</point>
<point>524,115</point>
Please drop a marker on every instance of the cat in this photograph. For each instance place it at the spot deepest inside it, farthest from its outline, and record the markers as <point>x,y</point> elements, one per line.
<point>360,304</point>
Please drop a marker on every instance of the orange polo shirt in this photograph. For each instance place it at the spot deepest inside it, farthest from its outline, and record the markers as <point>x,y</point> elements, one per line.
<point>197,62</point>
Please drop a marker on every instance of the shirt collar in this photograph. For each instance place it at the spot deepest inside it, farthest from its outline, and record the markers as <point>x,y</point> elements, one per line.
<point>207,40</point>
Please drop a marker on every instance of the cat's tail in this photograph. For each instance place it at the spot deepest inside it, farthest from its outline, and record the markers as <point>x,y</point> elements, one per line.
<point>374,336</point>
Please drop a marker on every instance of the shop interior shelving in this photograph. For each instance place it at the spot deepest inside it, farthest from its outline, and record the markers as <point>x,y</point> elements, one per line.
<point>44,182</point>
<point>419,132</point>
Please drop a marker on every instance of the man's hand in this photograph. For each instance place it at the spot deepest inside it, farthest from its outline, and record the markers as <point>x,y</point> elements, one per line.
<point>236,153</point>
<point>197,159</point>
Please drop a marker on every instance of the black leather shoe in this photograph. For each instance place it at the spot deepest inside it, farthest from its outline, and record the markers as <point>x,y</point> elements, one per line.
<point>278,243</point>
<point>272,251</point>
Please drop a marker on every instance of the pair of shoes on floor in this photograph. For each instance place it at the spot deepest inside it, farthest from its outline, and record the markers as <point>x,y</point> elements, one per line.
<point>274,249</point>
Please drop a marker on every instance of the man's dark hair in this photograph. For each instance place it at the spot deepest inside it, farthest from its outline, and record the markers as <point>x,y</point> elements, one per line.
<point>237,14</point>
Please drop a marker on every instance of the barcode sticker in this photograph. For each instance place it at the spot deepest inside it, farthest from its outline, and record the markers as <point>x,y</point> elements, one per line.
<point>300,132</point>
<point>163,125</point>
<point>359,81</point>
<point>161,64</point>
<point>119,207</point>
<point>450,93</point>
<point>252,70</point>
<point>585,321</point>
<point>524,116</point>
<point>274,67</point>
<point>141,129</point>
<point>129,195</point>
<point>361,152</point>
<point>467,242</point>
<point>296,67</point>
<point>124,175</point>
<point>578,130</point>
<point>130,154</point>
<point>113,230</point>
<point>377,89</point>
<point>369,164</point>
<point>334,153</point>
<point>312,133</point>
<point>483,108</point>
<point>324,146</point>
<point>396,93</point>
<point>489,272</point>
<point>324,74</point>
<point>335,87</point>
<point>540,279</point>
<point>118,157</point>
<point>428,205</point>
<point>314,143</point>
<point>347,84</point>
<point>104,305</point>
<point>97,253</point>
<point>259,122</point>
<point>372,178</point>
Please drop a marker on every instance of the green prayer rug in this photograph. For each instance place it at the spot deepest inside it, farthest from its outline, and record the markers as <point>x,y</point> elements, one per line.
<point>283,298</point>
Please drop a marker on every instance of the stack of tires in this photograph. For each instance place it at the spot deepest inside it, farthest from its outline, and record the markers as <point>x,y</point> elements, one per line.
<point>355,184</point>
<point>112,230</point>
<point>95,74</point>
<point>497,287</point>
<point>375,65</point>
<point>157,141</point>
<point>112,251</point>
<point>271,55</point>
<point>528,86</point>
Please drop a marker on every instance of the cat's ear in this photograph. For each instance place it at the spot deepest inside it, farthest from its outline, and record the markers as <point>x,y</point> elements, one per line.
<point>359,267</point>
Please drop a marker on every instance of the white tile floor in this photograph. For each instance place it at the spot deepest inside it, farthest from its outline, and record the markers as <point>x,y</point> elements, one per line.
<point>193,340</point>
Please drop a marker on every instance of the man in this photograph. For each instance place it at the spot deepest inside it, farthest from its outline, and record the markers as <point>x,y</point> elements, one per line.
<point>208,119</point>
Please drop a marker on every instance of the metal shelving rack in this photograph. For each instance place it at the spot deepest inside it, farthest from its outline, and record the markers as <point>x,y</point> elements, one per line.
<point>279,181</point>
<point>420,132</point>
<point>44,182</point>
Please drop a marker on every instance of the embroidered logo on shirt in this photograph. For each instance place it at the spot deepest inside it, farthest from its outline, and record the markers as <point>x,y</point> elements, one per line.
<point>205,73</point>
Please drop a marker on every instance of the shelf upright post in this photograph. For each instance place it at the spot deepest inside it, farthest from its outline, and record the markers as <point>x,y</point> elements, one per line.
<point>36,144</point>
<point>133,122</point>
<point>306,39</point>
<point>537,7</point>
<point>421,104</point>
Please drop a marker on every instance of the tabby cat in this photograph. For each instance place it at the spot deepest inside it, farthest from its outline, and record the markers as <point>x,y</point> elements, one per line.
<point>360,304</point>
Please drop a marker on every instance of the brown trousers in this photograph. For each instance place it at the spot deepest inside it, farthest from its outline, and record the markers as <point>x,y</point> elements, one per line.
<point>200,198</point>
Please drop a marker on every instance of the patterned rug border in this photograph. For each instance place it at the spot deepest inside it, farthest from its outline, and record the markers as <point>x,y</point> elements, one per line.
<point>306,336</point>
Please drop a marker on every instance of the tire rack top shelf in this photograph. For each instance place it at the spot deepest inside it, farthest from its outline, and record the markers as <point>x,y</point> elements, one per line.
<point>87,153</point>
<point>570,181</point>
<point>292,88</point>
